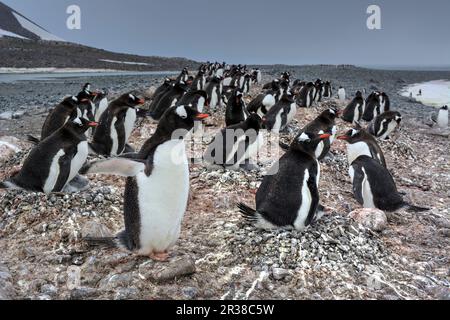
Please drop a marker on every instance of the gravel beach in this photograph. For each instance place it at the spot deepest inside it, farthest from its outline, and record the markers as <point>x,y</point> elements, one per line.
<point>44,257</point>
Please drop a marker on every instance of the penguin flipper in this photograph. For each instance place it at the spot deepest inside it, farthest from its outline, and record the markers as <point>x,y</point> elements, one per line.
<point>117,166</point>
<point>249,214</point>
<point>33,140</point>
<point>358,179</point>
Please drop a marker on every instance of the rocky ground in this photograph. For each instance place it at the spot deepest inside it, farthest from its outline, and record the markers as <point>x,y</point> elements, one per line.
<point>43,255</point>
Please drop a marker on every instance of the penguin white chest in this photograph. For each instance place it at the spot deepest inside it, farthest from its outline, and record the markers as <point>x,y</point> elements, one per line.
<point>79,159</point>
<point>114,138</point>
<point>53,173</point>
<point>101,108</point>
<point>390,128</point>
<point>163,197</point>
<point>356,150</point>
<point>442,120</point>
<point>130,119</point>
<point>305,205</point>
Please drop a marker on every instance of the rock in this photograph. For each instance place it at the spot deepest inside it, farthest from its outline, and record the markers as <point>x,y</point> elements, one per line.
<point>49,290</point>
<point>372,219</point>
<point>116,280</point>
<point>150,92</point>
<point>127,294</point>
<point>7,115</point>
<point>95,230</point>
<point>280,273</point>
<point>83,293</point>
<point>189,292</point>
<point>177,268</point>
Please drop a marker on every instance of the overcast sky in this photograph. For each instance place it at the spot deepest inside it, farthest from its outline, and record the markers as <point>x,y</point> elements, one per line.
<point>414,32</point>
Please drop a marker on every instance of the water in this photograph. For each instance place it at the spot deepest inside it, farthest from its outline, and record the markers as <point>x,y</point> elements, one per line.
<point>16,77</point>
<point>435,93</point>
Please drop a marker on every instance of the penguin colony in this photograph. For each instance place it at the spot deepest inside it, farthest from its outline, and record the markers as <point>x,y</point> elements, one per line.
<point>157,175</point>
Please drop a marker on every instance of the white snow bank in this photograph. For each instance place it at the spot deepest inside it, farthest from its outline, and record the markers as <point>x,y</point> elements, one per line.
<point>53,70</point>
<point>30,26</point>
<point>434,93</point>
<point>126,62</point>
<point>4,33</point>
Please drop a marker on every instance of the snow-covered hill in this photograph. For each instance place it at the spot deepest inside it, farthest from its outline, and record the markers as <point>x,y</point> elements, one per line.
<point>13,24</point>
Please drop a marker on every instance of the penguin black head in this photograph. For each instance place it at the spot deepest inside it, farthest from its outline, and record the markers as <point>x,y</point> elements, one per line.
<point>331,113</point>
<point>355,135</point>
<point>254,121</point>
<point>444,108</point>
<point>80,125</point>
<point>358,94</point>
<point>71,102</point>
<point>180,117</point>
<point>130,100</point>
<point>87,87</point>
<point>308,141</point>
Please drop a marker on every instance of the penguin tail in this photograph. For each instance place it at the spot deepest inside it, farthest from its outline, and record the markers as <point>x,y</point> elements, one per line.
<point>250,215</point>
<point>33,140</point>
<point>412,208</point>
<point>3,186</point>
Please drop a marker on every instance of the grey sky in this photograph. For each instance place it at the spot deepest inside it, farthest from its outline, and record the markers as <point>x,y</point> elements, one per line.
<point>415,32</point>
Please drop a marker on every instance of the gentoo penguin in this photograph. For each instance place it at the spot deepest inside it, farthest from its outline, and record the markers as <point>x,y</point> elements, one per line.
<point>341,94</point>
<point>169,99</point>
<point>159,93</point>
<point>373,107</point>
<point>289,198</point>
<point>384,124</point>
<point>441,119</point>
<point>355,109</point>
<point>184,75</point>
<point>305,97</point>
<point>281,114</point>
<point>116,125</point>
<point>362,143</point>
<point>55,162</point>
<point>327,90</point>
<point>157,187</point>
<point>246,84</point>
<point>385,103</point>
<point>323,124</point>
<point>374,187</point>
<point>199,82</point>
<point>256,76</point>
<point>319,86</point>
<point>233,146</point>
<point>101,104</point>
<point>214,91</point>
<point>198,99</point>
<point>236,110</point>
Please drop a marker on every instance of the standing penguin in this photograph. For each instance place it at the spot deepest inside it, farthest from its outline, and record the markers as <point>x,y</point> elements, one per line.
<point>384,124</point>
<point>341,94</point>
<point>101,104</point>
<point>374,187</point>
<point>236,111</point>
<point>256,76</point>
<point>323,124</point>
<point>159,93</point>
<point>214,91</point>
<point>290,197</point>
<point>385,102</point>
<point>441,119</point>
<point>281,114</point>
<point>55,162</point>
<point>115,127</point>
<point>157,187</point>
<point>233,146</point>
<point>355,109</point>
<point>327,90</point>
<point>199,82</point>
<point>169,99</point>
<point>306,95</point>
<point>184,75</point>
<point>362,143</point>
<point>198,99</point>
<point>319,86</point>
<point>373,107</point>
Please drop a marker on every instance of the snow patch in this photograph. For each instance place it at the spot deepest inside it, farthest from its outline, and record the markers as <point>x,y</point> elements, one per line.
<point>4,33</point>
<point>435,93</point>
<point>34,28</point>
<point>126,62</point>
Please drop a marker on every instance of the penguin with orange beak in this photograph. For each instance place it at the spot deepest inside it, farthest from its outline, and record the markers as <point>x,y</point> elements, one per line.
<point>289,196</point>
<point>115,126</point>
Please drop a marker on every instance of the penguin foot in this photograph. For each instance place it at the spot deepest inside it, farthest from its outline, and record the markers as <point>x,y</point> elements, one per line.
<point>160,256</point>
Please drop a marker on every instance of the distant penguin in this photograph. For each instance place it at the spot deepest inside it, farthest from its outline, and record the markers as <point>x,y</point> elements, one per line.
<point>199,82</point>
<point>341,94</point>
<point>281,114</point>
<point>159,93</point>
<point>319,88</point>
<point>246,84</point>
<point>373,107</point>
<point>374,187</point>
<point>323,124</point>
<point>116,125</point>
<point>441,118</point>
<point>327,90</point>
<point>51,165</point>
<point>289,197</point>
<point>385,103</point>
<point>198,99</point>
<point>384,124</point>
<point>235,145</point>
<point>355,109</point>
<point>362,143</point>
<point>169,99</point>
<point>157,187</point>
<point>306,95</point>
<point>256,76</point>
<point>214,91</point>
<point>101,104</point>
<point>262,103</point>
<point>236,110</point>
<point>184,75</point>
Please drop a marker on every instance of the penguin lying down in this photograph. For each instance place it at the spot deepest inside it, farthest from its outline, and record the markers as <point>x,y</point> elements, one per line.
<point>157,186</point>
<point>53,165</point>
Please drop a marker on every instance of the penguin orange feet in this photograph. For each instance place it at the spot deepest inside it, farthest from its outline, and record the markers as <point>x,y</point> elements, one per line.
<point>159,256</point>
